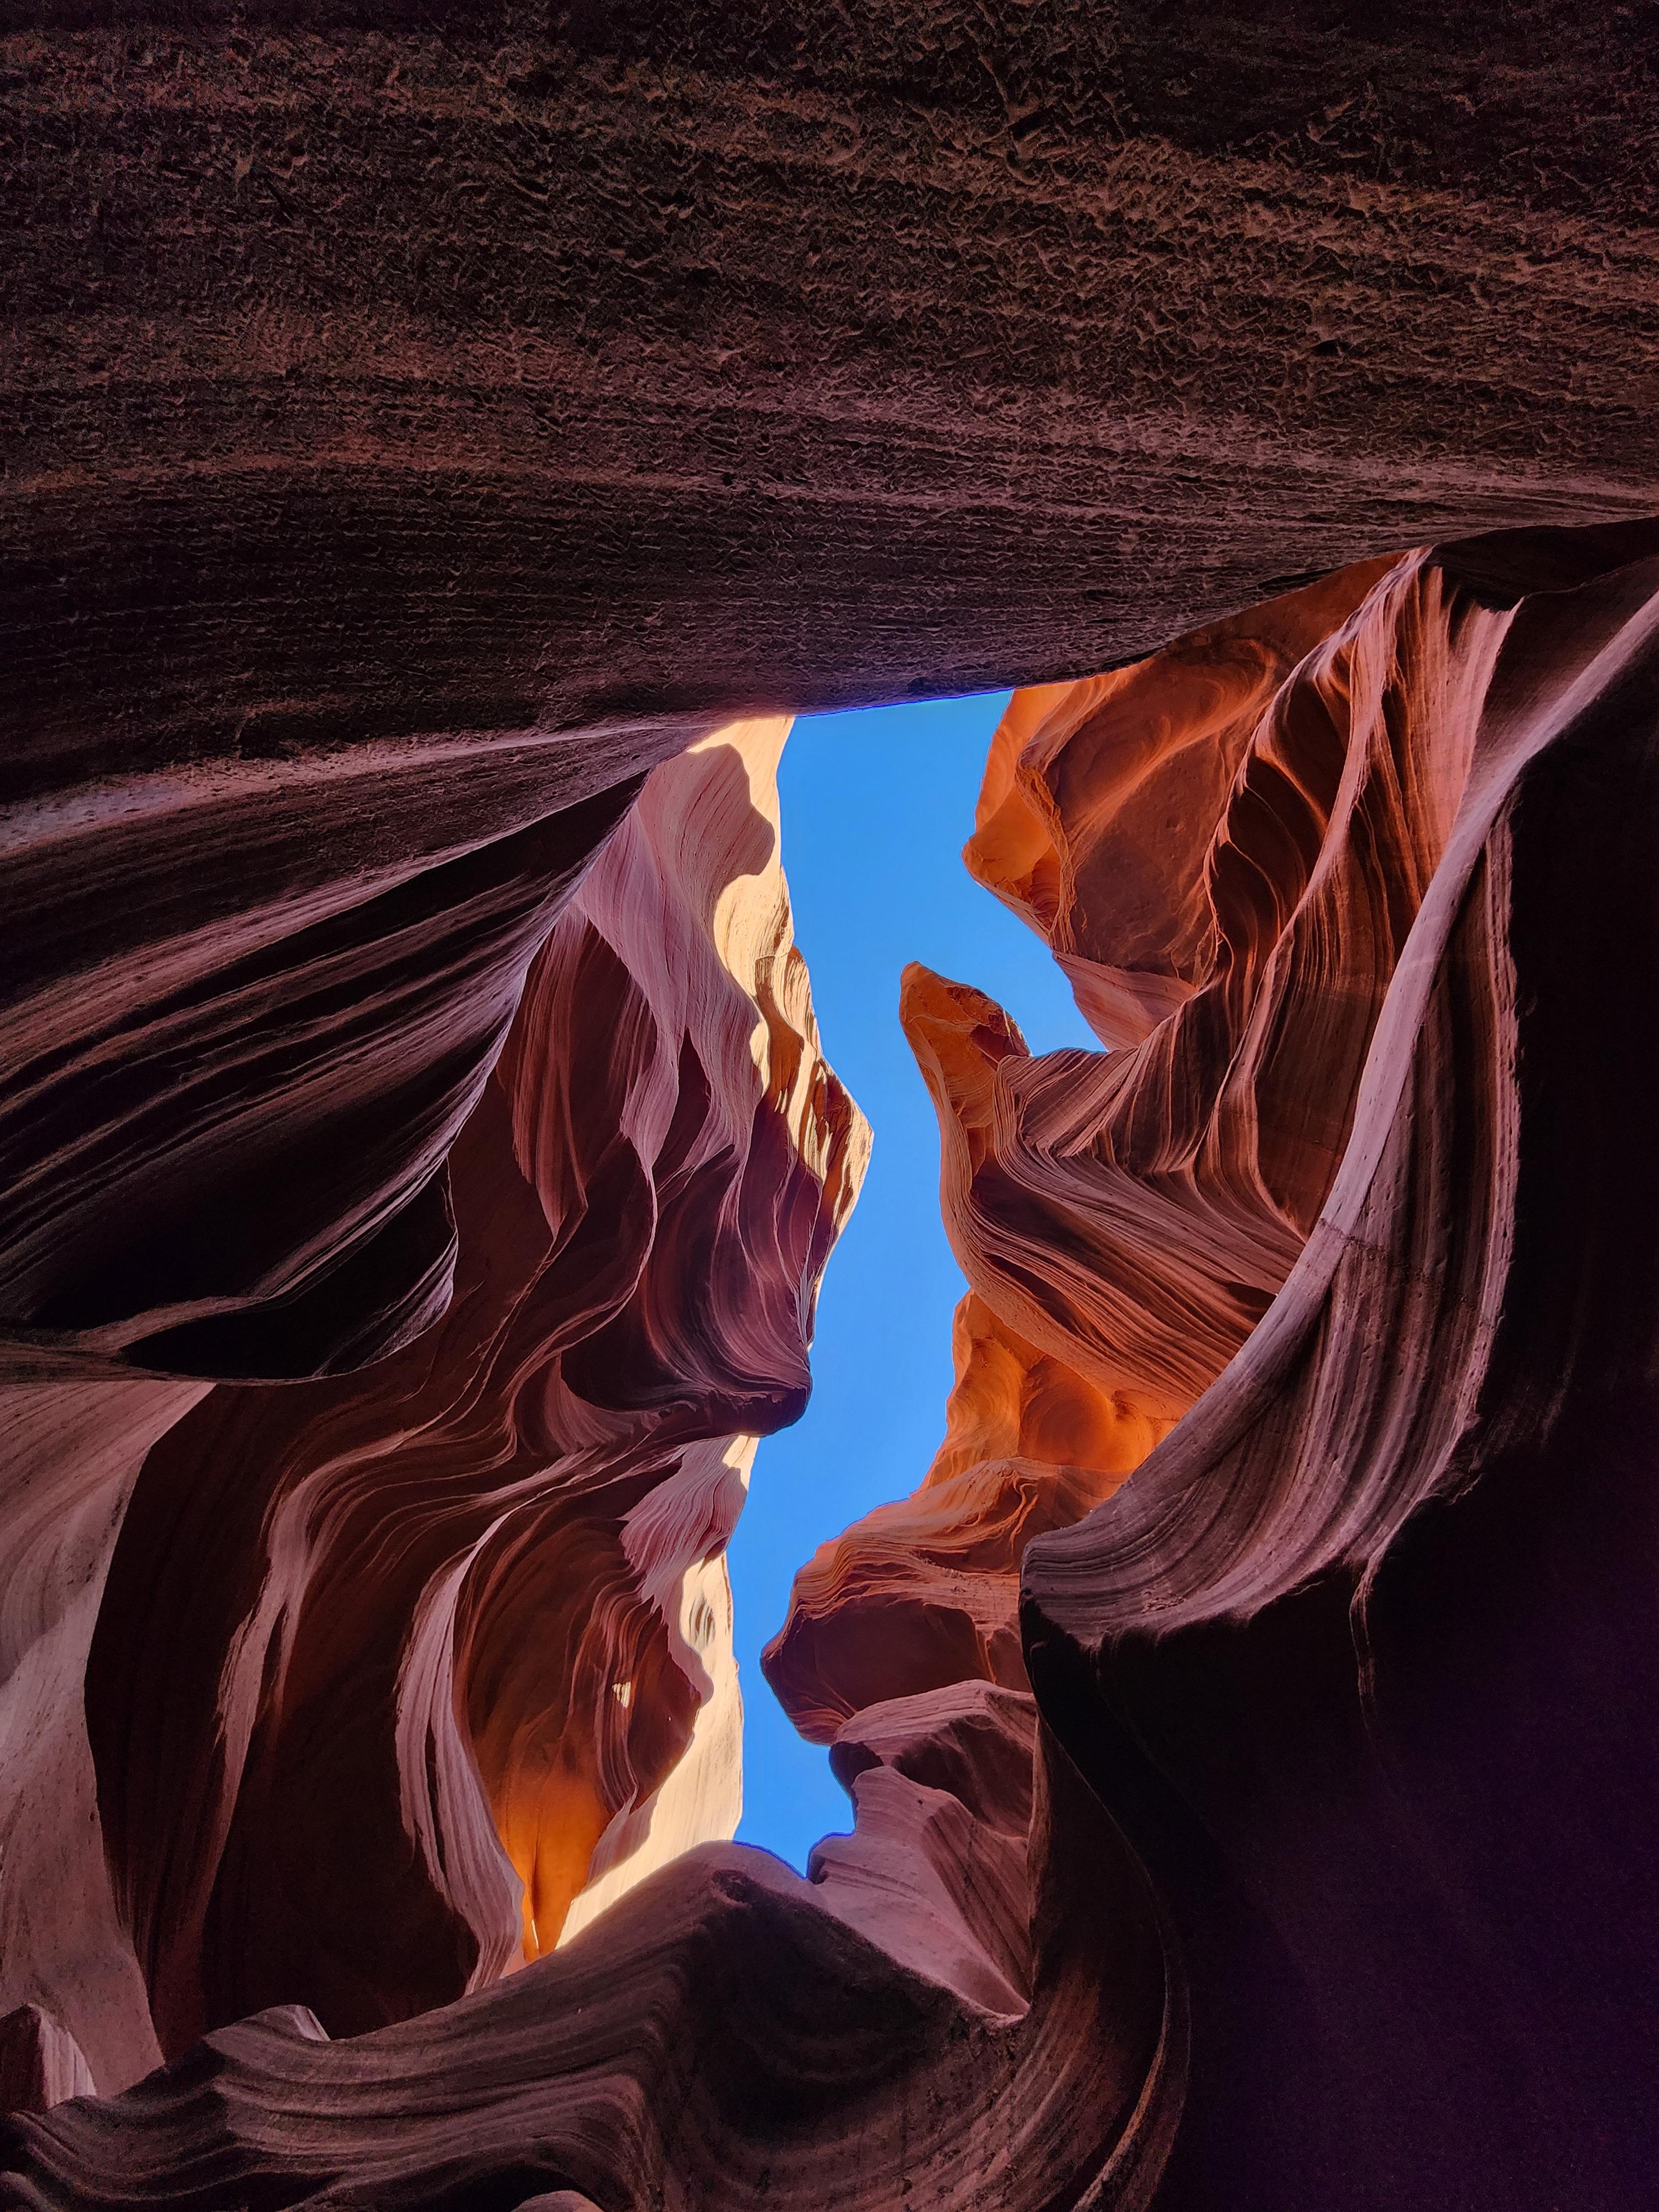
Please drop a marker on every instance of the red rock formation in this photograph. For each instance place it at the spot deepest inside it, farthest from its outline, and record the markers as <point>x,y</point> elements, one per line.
<point>377,1654</point>
<point>1226,846</point>
<point>501,370</point>
<point>40,2064</point>
<point>924,1592</point>
<point>290,935</point>
<point>416,432</point>
<point>1327,1745</point>
<point>1363,1650</point>
<point>70,1454</point>
<point>713,2038</point>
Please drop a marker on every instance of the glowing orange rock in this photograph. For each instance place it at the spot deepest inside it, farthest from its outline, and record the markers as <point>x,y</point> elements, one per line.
<point>1314,1869</point>
<point>924,1592</point>
<point>417,1655</point>
<point>1203,839</point>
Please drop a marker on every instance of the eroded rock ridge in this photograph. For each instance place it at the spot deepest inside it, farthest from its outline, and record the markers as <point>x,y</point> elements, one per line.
<point>1289,1528</point>
<point>440,446</point>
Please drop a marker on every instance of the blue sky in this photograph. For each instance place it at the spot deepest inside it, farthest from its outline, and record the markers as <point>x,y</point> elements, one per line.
<point>876,805</point>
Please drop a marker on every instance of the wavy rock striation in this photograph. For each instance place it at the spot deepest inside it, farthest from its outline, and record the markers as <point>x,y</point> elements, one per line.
<point>730,2034</point>
<point>1358,1657</point>
<point>1268,1829</point>
<point>378,1657</point>
<point>422,427</point>
<point>1226,847</point>
<point>381,375</point>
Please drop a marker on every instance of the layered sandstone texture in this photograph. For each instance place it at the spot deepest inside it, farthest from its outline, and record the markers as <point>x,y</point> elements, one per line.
<point>440,444</point>
<point>382,1674</point>
<point>1195,835</point>
<point>381,374</point>
<point>418,423</point>
<point>1273,1633</point>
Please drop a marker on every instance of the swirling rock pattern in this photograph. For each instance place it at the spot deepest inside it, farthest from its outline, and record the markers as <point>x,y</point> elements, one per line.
<point>377,1657</point>
<point>1384,1569</point>
<point>40,2063</point>
<point>415,431</point>
<point>416,1161</point>
<point>730,2034</point>
<point>70,1454</point>
<point>225,1135</point>
<point>1226,846</point>
<point>1267,1890</point>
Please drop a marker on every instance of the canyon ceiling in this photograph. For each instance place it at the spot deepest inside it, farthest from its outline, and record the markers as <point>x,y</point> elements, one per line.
<point>443,448</point>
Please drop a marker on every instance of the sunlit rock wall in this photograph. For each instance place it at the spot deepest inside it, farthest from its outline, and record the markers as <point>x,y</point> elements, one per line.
<point>1226,847</point>
<point>418,426</point>
<point>386,1668</point>
<point>1247,1722</point>
<point>377,375</point>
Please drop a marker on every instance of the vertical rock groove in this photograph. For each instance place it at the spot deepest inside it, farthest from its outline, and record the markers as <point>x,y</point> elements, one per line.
<point>474,1601</point>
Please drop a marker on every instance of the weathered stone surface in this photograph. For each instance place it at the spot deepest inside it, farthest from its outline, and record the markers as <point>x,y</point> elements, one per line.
<point>433,437</point>
<point>1322,1696</point>
<point>70,1455</point>
<point>416,423</point>
<point>385,1665</point>
<point>1227,846</point>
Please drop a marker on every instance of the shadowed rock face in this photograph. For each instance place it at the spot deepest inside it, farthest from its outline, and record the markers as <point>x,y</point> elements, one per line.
<point>429,435</point>
<point>1227,846</point>
<point>1208,1822</point>
<point>419,426</point>
<point>385,1666</point>
<point>378,374</point>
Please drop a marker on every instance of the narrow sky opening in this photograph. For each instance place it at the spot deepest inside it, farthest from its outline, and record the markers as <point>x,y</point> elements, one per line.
<point>876,805</point>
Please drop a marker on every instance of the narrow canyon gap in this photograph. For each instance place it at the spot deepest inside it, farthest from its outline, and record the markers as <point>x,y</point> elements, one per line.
<point>442,450</point>
<point>873,888</point>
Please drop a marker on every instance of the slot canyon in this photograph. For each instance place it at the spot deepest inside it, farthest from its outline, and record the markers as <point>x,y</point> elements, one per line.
<point>444,449</point>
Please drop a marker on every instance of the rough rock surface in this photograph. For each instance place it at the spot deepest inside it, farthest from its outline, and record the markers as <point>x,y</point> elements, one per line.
<point>40,2063</point>
<point>417,421</point>
<point>376,370</point>
<point>421,426</point>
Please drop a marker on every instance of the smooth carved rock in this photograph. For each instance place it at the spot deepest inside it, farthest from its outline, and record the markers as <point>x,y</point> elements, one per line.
<point>1380,1575</point>
<point>1261,1894</point>
<point>379,1656</point>
<point>505,371</point>
<point>1226,846</point>
<point>226,1126</point>
<point>40,2062</point>
<point>923,1592</point>
<point>70,1455</point>
<point>731,2033</point>
<point>414,433</point>
<point>416,1164</point>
